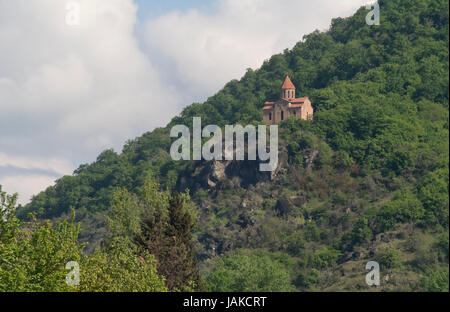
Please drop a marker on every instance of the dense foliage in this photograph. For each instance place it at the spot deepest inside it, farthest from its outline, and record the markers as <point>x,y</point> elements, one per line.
<point>377,188</point>
<point>251,271</point>
<point>33,257</point>
<point>167,235</point>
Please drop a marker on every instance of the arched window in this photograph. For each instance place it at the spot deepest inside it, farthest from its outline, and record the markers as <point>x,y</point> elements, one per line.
<point>270,116</point>
<point>282,115</point>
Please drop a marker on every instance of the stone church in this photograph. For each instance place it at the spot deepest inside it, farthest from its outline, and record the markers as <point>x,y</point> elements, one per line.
<point>288,105</point>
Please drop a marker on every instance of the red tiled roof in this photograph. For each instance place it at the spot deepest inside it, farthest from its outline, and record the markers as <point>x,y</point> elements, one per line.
<point>267,107</point>
<point>299,100</point>
<point>287,84</point>
<point>269,103</point>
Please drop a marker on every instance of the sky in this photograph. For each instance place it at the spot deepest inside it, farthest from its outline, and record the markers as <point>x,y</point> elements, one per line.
<point>154,8</point>
<point>74,82</point>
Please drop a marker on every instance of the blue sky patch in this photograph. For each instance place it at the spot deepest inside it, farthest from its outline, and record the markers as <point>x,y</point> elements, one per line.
<point>154,8</point>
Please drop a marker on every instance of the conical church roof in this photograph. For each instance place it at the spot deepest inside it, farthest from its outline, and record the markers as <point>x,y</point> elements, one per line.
<point>287,84</point>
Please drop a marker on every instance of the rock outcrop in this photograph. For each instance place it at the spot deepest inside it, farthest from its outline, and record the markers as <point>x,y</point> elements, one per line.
<point>220,174</point>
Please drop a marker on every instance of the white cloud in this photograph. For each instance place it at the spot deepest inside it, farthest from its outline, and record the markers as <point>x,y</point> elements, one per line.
<point>71,84</point>
<point>201,52</point>
<point>67,93</point>
<point>25,185</point>
<point>56,165</point>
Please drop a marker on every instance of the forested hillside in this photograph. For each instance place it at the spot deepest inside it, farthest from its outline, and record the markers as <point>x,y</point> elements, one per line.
<point>366,180</point>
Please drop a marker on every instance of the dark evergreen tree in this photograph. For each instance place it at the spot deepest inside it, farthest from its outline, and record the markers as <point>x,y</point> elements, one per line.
<point>168,237</point>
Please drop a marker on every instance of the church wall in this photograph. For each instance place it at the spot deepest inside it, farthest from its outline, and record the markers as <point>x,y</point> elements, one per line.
<point>266,116</point>
<point>307,111</point>
<point>278,108</point>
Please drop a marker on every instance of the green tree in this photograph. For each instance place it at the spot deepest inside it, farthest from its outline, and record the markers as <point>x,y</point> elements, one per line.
<point>249,272</point>
<point>437,281</point>
<point>33,256</point>
<point>118,267</point>
<point>166,233</point>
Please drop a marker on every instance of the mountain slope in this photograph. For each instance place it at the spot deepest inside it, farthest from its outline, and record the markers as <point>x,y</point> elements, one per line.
<point>377,188</point>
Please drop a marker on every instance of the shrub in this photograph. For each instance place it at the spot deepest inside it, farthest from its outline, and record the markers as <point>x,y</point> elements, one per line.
<point>324,258</point>
<point>436,282</point>
<point>244,272</point>
<point>387,258</point>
